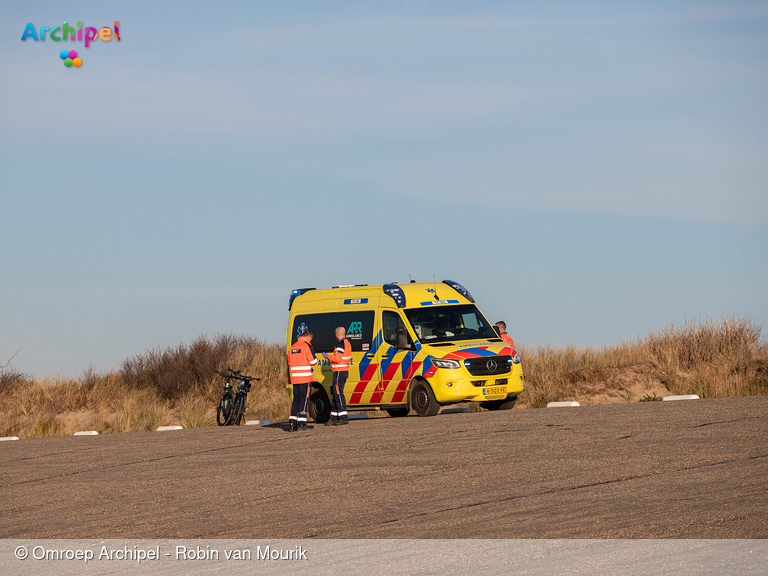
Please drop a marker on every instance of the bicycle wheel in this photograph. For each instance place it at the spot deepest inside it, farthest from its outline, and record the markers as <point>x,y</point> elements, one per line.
<point>225,410</point>
<point>238,410</point>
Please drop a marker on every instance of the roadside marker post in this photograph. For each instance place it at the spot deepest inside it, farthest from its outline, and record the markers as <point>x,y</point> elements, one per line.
<point>86,433</point>
<point>357,416</point>
<point>562,404</point>
<point>682,397</point>
<point>258,422</point>
<point>167,428</point>
<point>6,438</point>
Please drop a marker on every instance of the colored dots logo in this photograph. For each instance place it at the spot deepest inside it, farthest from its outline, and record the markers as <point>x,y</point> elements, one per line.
<point>70,58</point>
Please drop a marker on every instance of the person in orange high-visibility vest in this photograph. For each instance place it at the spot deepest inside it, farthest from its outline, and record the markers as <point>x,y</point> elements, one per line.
<point>502,329</point>
<point>342,354</point>
<point>301,362</point>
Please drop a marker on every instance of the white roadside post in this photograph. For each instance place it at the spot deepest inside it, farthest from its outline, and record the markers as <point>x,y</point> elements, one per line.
<point>562,404</point>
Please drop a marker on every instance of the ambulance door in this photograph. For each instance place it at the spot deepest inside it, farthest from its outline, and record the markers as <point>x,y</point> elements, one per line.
<point>395,358</point>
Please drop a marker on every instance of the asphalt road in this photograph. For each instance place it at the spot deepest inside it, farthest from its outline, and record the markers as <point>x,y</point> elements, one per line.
<point>687,469</point>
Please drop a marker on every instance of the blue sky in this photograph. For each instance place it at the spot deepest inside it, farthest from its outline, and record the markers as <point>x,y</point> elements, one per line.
<point>588,170</point>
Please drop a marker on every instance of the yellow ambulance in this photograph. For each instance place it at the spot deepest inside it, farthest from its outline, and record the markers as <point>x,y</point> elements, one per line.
<point>415,346</point>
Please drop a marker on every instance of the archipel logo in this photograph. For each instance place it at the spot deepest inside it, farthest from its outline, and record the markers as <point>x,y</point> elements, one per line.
<point>70,58</point>
<point>355,328</point>
<point>87,35</point>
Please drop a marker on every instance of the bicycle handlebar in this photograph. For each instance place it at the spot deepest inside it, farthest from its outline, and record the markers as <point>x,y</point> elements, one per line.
<point>232,374</point>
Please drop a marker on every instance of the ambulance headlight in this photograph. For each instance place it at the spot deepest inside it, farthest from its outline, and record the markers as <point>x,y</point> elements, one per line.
<point>441,363</point>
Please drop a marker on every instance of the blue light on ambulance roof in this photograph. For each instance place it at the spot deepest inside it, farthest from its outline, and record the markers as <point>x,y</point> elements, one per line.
<point>396,293</point>
<point>460,289</point>
<point>294,293</point>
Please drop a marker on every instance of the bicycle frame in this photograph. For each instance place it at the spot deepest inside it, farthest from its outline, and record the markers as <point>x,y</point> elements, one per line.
<point>232,406</point>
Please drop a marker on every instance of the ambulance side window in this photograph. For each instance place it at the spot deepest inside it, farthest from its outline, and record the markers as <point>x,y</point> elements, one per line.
<point>391,325</point>
<point>359,327</point>
<point>322,326</point>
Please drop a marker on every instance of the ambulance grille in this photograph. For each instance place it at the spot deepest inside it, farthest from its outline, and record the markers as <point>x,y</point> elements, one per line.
<point>484,365</point>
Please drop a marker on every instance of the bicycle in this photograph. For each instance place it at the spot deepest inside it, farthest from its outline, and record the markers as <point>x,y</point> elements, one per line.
<point>233,404</point>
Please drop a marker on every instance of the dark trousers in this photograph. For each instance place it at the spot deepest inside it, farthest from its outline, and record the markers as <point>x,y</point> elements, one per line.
<point>300,401</point>
<point>339,403</point>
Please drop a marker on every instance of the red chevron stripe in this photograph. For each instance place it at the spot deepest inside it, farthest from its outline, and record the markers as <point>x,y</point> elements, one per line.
<point>357,395</point>
<point>399,394</point>
<point>402,386</point>
<point>391,370</point>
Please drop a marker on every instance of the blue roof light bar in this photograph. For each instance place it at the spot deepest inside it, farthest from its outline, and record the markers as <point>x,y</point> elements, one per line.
<point>460,289</point>
<point>396,293</point>
<point>294,293</point>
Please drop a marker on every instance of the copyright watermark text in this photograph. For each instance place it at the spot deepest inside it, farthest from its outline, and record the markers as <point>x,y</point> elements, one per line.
<point>139,555</point>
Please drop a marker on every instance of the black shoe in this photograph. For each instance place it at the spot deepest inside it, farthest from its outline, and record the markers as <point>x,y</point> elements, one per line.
<point>342,422</point>
<point>293,427</point>
<point>330,423</point>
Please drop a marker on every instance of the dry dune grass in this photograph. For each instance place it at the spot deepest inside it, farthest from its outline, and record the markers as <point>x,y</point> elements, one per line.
<point>715,358</point>
<point>159,387</point>
<point>723,357</point>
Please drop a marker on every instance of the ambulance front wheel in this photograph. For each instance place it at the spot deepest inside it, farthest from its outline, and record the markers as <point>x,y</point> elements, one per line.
<point>423,400</point>
<point>506,404</point>
<point>319,405</point>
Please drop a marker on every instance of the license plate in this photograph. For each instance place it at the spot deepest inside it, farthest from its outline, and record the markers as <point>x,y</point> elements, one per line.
<point>495,390</point>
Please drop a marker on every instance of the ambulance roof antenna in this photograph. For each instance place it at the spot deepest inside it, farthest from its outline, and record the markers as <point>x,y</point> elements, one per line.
<point>434,287</point>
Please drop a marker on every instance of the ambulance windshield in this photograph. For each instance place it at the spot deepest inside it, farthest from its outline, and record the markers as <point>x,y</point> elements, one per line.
<point>442,323</point>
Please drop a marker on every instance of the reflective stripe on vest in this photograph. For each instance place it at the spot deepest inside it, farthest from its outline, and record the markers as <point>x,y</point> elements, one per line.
<point>301,359</point>
<point>341,356</point>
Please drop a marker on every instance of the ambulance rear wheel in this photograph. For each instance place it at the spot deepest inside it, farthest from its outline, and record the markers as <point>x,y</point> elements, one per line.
<point>398,412</point>
<point>506,404</point>
<point>423,400</point>
<point>319,406</point>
